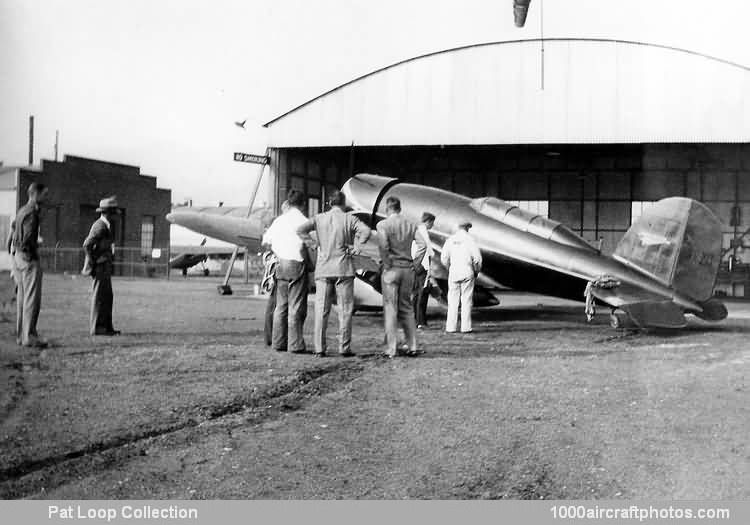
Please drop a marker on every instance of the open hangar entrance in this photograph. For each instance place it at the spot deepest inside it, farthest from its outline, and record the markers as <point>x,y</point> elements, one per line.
<point>614,126</point>
<point>596,190</point>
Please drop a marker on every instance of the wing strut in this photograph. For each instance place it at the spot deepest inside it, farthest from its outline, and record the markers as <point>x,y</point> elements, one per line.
<point>224,288</point>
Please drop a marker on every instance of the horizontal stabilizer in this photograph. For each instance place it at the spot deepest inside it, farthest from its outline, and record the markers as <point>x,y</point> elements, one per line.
<point>713,310</point>
<point>656,314</point>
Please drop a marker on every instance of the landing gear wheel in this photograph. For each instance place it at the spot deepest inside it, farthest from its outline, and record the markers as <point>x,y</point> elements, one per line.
<point>617,321</point>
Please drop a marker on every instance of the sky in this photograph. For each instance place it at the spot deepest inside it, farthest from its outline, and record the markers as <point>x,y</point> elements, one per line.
<point>160,83</point>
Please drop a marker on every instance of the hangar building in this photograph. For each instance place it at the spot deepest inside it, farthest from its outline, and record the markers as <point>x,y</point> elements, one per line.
<point>75,187</point>
<point>588,133</point>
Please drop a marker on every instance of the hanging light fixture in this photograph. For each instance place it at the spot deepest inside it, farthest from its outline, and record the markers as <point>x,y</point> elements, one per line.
<point>520,10</point>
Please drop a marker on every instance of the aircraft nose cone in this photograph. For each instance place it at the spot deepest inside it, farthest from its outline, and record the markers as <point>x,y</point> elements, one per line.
<point>180,217</point>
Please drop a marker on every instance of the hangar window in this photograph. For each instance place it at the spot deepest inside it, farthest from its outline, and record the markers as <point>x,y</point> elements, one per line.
<point>147,235</point>
<point>637,208</point>
<point>535,207</point>
<point>313,206</point>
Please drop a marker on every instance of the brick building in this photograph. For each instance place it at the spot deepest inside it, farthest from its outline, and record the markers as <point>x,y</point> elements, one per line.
<point>75,187</point>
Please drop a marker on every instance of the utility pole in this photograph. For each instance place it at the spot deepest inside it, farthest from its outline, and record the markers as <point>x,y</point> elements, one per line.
<point>57,142</point>
<point>31,140</point>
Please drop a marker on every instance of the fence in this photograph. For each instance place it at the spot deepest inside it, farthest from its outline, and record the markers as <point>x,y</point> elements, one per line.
<point>131,262</point>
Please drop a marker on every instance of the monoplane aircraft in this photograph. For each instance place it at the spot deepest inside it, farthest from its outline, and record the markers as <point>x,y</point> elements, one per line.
<point>664,267</point>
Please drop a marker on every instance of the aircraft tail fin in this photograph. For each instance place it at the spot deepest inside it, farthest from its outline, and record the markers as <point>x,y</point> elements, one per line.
<point>678,242</point>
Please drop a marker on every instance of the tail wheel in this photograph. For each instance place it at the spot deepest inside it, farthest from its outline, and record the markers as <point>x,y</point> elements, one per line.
<point>617,320</point>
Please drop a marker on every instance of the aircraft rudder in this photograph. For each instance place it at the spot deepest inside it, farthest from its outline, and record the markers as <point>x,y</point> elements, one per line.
<point>678,242</point>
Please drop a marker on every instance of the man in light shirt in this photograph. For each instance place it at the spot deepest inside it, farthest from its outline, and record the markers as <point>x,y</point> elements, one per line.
<point>464,260</point>
<point>340,234</point>
<point>422,271</point>
<point>395,236</point>
<point>291,276</point>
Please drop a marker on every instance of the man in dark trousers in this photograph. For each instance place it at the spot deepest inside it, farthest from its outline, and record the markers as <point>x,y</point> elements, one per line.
<point>99,264</point>
<point>291,276</point>
<point>395,236</point>
<point>27,267</point>
<point>334,270</point>
<point>422,271</point>
<point>269,258</point>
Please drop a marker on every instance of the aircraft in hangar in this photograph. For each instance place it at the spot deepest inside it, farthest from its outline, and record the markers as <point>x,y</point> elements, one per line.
<point>664,267</point>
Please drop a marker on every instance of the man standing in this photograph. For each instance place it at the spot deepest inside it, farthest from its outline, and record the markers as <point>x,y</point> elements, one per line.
<point>270,261</point>
<point>395,236</point>
<point>27,267</point>
<point>334,270</point>
<point>99,248</point>
<point>291,276</point>
<point>422,271</point>
<point>464,260</point>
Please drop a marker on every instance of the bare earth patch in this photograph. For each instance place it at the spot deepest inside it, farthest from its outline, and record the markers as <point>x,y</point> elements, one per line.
<point>536,403</point>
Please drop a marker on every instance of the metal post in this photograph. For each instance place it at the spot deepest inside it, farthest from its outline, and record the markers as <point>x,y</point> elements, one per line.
<point>541,34</point>
<point>247,267</point>
<point>31,140</point>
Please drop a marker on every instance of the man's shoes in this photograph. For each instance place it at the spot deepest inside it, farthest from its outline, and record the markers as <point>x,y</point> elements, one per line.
<point>414,353</point>
<point>36,344</point>
<point>319,354</point>
<point>450,331</point>
<point>347,354</point>
<point>386,355</point>
<point>280,349</point>
<point>107,332</point>
<point>466,331</point>
<point>301,351</point>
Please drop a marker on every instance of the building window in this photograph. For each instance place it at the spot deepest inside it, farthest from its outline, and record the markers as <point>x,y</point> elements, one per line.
<point>147,235</point>
<point>637,208</point>
<point>313,206</point>
<point>536,207</point>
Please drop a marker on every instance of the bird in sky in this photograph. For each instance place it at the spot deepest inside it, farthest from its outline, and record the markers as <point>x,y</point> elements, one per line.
<point>241,124</point>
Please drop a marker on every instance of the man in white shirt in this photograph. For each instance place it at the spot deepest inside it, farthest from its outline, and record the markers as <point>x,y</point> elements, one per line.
<point>464,260</point>
<point>291,276</point>
<point>422,272</point>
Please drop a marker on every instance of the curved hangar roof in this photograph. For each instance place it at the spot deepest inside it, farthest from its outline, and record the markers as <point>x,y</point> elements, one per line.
<point>595,90</point>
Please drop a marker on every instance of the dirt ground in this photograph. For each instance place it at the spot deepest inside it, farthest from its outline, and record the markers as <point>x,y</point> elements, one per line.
<point>536,403</point>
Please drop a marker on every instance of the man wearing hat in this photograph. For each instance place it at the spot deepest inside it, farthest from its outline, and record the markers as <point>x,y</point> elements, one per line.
<point>464,260</point>
<point>99,264</point>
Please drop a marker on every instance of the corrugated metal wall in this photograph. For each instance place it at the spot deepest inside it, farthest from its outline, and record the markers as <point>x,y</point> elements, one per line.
<point>594,92</point>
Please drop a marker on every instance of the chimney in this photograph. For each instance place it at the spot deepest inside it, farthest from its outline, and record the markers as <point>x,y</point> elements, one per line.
<point>31,140</point>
